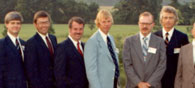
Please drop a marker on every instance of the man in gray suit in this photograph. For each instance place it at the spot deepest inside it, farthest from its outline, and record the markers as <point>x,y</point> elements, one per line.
<point>144,56</point>
<point>185,76</point>
<point>101,59</point>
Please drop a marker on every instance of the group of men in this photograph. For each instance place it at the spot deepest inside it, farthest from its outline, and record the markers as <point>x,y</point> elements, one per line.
<point>150,59</point>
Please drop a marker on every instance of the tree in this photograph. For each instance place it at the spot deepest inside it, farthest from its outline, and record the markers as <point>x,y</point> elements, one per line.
<point>127,11</point>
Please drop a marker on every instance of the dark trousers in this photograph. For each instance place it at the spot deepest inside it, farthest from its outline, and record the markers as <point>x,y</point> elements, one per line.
<point>115,82</point>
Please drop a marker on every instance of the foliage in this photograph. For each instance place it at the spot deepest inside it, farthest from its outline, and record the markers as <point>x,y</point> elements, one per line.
<point>4,33</point>
<point>127,11</point>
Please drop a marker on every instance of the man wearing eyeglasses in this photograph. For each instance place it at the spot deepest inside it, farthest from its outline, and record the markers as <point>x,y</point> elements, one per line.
<point>174,39</point>
<point>144,56</point>
<point>39,54</point>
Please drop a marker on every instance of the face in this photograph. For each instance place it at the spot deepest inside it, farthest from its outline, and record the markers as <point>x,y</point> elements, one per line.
<point>168,20</point>
<point>76,31</point>
<point>145,24</point>
<point>13,27</point>
<point>105,24</point>
<point>42,25</point>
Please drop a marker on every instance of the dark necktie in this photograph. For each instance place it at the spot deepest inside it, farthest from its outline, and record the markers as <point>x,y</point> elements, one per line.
<point>18,47</point>
<point>113,57</point>
<point>166,38</point>
<point>79,50</point>
<point>49,46</point>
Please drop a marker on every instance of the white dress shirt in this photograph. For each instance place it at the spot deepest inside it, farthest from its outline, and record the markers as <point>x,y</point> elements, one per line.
<point>104,36</point>
<point>141,39</point>
<point>170,33</point>
<point>44,38</point>
<point>75,43</point>
<point>193,44</point>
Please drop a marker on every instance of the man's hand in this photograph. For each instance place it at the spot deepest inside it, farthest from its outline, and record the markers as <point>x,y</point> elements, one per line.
<point>143,85</point>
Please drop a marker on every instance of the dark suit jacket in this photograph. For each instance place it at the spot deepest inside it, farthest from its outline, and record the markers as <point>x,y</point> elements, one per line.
<point>12,66</point>
<point>39,63</point>
<point>69,66</point>
<point>178,39</point>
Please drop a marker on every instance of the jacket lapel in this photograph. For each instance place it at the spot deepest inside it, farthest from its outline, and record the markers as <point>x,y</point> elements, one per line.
<point>138,47</point>
<point>152,44</point>
<point>103,45</point>
<point>10,45</point>
<point>75,51</point>
<point>41,42</point>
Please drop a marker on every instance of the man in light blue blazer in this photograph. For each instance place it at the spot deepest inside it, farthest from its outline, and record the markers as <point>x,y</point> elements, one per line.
<point>101,59</point>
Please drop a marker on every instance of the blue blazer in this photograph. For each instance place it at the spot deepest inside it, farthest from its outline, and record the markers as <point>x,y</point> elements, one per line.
<point>99,64</point>
<point>39,63</point>
<point>177,40</point>
<point>69,66</point>
<point>11,64</point>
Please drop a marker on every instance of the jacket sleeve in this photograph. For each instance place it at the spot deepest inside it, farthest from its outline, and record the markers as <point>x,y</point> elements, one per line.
<point>90,58</point>
<point>128,65</point>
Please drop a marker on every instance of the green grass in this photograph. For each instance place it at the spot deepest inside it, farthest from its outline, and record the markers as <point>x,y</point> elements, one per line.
<point>120,32</point>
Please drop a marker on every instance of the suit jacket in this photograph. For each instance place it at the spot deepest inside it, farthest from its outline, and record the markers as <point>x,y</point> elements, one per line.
<point>99,64</point>
<point>39,63</point>
<point>69,67</point>
<point>185,71</point>
<point>138,70</point>
<point>12,66</point>
<point>177,40</point>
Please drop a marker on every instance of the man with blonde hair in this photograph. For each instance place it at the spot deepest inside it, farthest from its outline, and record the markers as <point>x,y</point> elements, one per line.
<point>144,56</point>
<point>174,39</point>
<point>101,59</point>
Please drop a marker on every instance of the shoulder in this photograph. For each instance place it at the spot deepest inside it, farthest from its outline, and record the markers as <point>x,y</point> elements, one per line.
<point>158,32</point>
<point>180,33</point>
<point>52,36</point>
<point>187,46</point>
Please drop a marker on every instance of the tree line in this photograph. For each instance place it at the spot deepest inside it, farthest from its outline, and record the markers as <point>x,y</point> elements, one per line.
<point>124,12</point>
<point>60,10</point>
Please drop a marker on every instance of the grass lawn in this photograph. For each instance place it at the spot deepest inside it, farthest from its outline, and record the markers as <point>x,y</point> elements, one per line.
<point>120,32</point>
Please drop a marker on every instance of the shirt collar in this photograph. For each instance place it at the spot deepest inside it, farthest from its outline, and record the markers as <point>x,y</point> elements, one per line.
<point>43,36</point>
<point>142,36</point>
<point>74,42</point>
<point>13,39</point>
<point>193,42</point>
<point>104,36</point>
<point>170,32</point>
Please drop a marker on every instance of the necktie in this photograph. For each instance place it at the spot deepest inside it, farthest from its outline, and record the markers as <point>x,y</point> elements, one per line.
<point>18,47</point>
<point>49,46</point>
<point>167,39</point>
<point>113,57</point>
<point>79,50</point>
<point>144,46</point>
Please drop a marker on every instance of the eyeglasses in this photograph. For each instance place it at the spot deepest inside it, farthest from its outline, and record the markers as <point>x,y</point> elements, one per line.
<point>147,24</point>
<point>171,18</point>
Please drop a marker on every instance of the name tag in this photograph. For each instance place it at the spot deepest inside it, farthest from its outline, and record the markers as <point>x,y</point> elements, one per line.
<point>176,50</point>
<point>152,50</point>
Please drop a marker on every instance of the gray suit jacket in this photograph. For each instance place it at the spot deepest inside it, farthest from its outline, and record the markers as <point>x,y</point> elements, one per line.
<point>100,68</point>
<point>185,77</point>
<point>138,70</point>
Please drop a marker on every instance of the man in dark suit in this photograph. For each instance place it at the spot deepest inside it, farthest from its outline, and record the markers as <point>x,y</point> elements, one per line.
<point>39,54</point>
<point>11,54</point>
<point>69,67</point>
<point>174,39</point>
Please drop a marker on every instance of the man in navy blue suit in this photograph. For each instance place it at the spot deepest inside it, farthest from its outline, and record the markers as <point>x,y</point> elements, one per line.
<point>11,54</point>
<point>39,54</point>
<point>174,39</point>
<point>69,67</point>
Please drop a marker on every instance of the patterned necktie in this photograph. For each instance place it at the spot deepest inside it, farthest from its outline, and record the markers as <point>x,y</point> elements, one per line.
<point>167,39</point>
<point>18,47</point>
<point>79,49</point>
<point>144,46</point>
<point>113,57</point>
<point>50,46</point>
